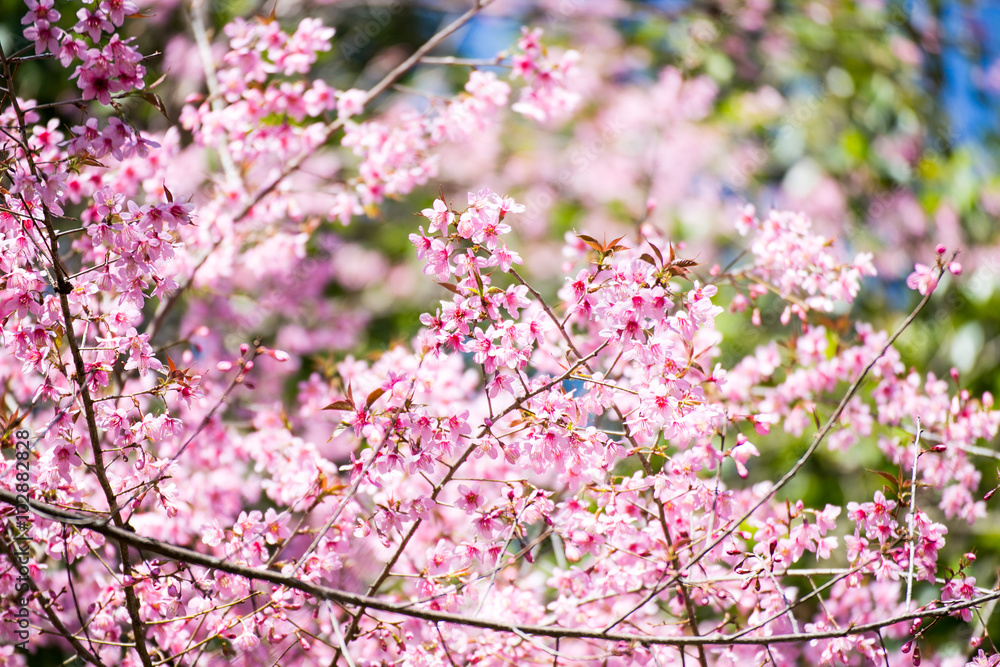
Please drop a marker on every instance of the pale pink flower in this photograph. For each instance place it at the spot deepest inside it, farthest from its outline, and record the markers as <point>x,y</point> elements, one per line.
<point>351,102</point>
<point>922,279</point>
<point>439,216</point>
<point>741,453</point>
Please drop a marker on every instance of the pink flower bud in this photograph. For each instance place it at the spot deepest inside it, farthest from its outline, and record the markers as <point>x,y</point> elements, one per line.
<point>277,355</point>
<point>940,249</point>
<point>955,268</point>
<point>225,366</point>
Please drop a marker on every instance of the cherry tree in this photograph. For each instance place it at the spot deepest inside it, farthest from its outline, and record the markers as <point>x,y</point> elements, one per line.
<point>589,452</point>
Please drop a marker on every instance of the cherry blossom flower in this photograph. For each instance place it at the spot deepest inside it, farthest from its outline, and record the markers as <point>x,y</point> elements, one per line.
<point>922,279</point>
<point>542,460</point>
<point>743,450</point>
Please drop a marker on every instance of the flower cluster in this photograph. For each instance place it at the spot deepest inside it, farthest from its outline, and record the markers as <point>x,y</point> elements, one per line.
<point>108,63</point>
<point>548,95</point>
<point>799,264</point>
<point>561,464</point>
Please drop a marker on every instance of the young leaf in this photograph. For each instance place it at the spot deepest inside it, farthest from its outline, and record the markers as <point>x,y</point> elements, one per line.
<point>163,77</point>
<point>91,162</point>
<point>591,241</point>
<point>659,255</point>
<point>340,404</point>
<point>892,480</point>
<point>374,396</point>
<point>175,373</point>
<point>614,247</point>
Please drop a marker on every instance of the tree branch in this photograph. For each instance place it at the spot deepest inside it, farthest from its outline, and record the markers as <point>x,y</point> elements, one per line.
<point>191,557</point>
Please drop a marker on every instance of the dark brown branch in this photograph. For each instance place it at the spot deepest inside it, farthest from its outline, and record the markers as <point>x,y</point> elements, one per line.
<point>190,557</point>
<point>63,288</point>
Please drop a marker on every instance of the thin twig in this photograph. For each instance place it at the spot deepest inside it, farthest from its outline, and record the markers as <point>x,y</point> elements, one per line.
<point>63,288</point>
<point>296,163</point>
<point>910,518</point>
<point>194,558</point>
<point>197,14</point>
<point>469,62</point>
<point>787,477</point>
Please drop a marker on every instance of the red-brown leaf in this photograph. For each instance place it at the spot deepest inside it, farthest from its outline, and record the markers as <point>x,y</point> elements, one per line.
<point>340,404</point>
<point>374,396</point>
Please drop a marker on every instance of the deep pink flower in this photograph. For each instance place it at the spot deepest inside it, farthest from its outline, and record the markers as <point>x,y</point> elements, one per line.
<point>93,22</point>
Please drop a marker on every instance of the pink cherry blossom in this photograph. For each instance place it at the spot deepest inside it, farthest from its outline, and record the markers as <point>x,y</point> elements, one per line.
<point>743,450</point>
<point>922,279</point>
<point>218,356</point>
